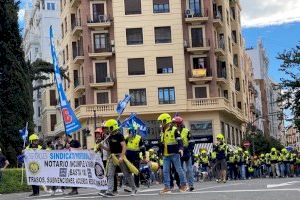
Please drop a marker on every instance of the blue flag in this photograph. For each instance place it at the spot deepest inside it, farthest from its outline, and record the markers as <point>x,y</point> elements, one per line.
<point>24,133</point>
<point>134,121</point>
<point>70,120</point>
<point>122,104</point>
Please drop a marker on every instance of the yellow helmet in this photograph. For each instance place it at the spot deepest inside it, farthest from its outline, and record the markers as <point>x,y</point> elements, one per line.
<point>111,125</point>
<point>164,118</point>
<point>284,150</point>
<point>33,137</point>
<point>203,151</point>
<point>151,150</point>
<point>273,149</point>
<point>246,152</point>
<point>220,136</point>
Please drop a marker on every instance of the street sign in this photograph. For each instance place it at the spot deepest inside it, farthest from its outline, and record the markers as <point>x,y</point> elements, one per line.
<point>246,144</point>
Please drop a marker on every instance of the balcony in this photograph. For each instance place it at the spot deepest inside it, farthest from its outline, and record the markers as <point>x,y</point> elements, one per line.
<point>199,47</point>
<point>78,56</point>
<point>105,110</point>
<point>59,128</point>
<point>191,17</point>
<point>208,104</point>
<point>76,27</point>
<point>200,76</point>
<point>103,21</point>
<point>75,3</point>
<point>101,53</point>
<point>101,83</point>
<point>79,85</point>
<point>218,19</point>
<point>220,49</point>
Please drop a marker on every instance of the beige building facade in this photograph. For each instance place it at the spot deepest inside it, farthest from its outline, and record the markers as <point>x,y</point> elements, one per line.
<point>179,56</point>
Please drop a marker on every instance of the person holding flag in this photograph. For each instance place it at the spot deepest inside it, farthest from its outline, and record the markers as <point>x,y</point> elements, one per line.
<point>117,149</point>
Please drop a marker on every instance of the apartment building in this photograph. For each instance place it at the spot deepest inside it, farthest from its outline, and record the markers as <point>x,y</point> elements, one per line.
<point>293,137</point>
<point>179,56</point>
<point>268,92</point>
<point>39,15</point>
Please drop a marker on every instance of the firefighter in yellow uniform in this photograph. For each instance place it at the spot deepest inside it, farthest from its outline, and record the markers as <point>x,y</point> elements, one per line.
<point>274,161</point>
<point>34,145</point>
<point>232,165</point>
<point>135,146</point>
<point>172,148</point>
<point>188,147</point>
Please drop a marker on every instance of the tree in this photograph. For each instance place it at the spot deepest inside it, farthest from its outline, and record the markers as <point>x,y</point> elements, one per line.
<point>15,84</point>
<point>262,144</point>
<point>291,85</point>
<point>40,70</point>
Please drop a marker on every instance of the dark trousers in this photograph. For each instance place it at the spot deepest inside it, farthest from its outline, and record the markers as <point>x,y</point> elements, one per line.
<point>36,189</point>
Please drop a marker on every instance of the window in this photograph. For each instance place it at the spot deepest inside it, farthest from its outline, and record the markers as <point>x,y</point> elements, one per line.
<point>229,44</point>
<point>239,105</point>
<point>66,25</point>
<point>134,36</point>
<point>50,6</point>
<point>102,98</point>
<point>132,7</point>
<point>227,13</point>
<point>232,11</point>
<point>161,6</point>
<point>201,63</point>
<point>39,111</point>
<point>98,12</point>
<point>136,66</point>
<point>101,42</point>
<point>166,95</point>
<point>225,94</point>
<point>53,98</point>
<point>163,34</point>
<point>52,121</point>
<point>138,97</point>
<point>101,72</point>
<point>200,92</point>
<point>196,7</point>
<point>233,35</point>
<point>39,129</point>
<point>235,60</point>
<point>164,65</point>
<point>197,37</point>
<point>233,99</point>
<point>67,52</point>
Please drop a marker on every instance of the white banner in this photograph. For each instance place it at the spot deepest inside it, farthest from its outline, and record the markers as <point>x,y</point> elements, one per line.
<point>75,168</point>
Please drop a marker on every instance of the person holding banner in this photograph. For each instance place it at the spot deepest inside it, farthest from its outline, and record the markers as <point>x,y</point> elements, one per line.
<point>72,144</point>
<point>135,145</point>
<point>34,145</point>
<point>117,148</point>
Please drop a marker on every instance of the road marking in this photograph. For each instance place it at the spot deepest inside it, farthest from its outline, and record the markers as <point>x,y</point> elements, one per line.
<point>219,186</point>
<point>150,190</point>
<point>282,184</point>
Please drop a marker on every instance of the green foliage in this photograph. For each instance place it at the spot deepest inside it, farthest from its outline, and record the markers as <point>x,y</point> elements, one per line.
<point>11,181</point>
<point>291,85</point>
<point>16,90</point>
<point>261,143</point>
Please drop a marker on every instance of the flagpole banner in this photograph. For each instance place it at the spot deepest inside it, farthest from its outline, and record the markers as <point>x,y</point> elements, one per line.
<point>76,168</point>
<point>70,120</point>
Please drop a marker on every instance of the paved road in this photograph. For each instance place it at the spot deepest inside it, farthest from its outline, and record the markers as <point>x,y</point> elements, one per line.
<point>257,189</point>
